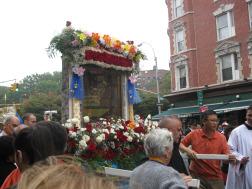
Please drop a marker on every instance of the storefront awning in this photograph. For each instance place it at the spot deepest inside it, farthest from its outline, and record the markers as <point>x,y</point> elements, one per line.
<point>219,108</point>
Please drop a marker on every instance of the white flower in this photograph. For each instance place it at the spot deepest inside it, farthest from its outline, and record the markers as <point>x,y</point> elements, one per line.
<point>104,123</point>
<point>126,134</point>
<point>72,134</point>
<point>94,131</point>
<point>112,131</point>
<point>129,139</point>
<point>83,144</point>
<point>105,131</point>
<point>103,136</point>
<point>115,137</point>
<point>121,127</point>
<point>99,139</point>
<point>75,121</point>
<point>149,116</point>
<point>83,129</point>
<point>86,138</point>
<point>86,119</point>
<point>68,125</point>
<point>137,135</point>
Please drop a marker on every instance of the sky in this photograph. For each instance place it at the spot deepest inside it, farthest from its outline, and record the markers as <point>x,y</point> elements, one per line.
<point>27,27</point>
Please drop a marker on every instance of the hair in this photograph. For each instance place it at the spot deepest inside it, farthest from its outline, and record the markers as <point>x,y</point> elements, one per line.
<point>35,142</point>
<point>63,176</point>
<point>249,108</point>
<point>206,114</point>
<point>166,121</point>
<point>59,135</point>
<point>157,141</point>
<point>27,116</point>
<point>227,131</point>
<point>6,147</point>
<point>8,119</point>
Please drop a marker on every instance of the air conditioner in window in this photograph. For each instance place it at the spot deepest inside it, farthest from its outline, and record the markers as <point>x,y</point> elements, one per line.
<point>236,74</point>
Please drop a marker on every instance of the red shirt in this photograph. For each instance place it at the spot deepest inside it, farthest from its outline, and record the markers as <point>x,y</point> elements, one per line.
<point>11,179</point>
<point>202,144</point>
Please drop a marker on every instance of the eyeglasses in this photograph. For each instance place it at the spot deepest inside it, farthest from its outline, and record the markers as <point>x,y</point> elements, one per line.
<point>213,121</point>
<point>14,125</point>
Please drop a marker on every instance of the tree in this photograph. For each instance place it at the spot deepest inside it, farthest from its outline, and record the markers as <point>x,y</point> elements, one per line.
<point>40,102</point>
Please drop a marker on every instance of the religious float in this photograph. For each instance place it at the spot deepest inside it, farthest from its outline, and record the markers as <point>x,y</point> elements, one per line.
<point>98,74</point>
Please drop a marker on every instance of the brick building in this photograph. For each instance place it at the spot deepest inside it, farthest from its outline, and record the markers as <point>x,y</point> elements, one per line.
<point>147,77</point>
<point>211,55</point>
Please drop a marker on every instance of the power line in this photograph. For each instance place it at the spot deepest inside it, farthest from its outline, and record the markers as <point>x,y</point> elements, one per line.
<point>8,81</point>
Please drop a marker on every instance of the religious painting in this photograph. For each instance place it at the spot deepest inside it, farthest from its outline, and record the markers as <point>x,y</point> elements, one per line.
<point>102,92</point>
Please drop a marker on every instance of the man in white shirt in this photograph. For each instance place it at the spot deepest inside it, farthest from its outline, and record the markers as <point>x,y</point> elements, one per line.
<point>240,143</point>
<point>10,123</point>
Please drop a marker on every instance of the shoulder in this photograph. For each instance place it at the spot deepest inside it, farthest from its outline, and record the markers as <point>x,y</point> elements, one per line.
<point>238,130</point>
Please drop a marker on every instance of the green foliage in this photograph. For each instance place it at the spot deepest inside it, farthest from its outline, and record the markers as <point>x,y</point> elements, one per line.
<point>37,93</point>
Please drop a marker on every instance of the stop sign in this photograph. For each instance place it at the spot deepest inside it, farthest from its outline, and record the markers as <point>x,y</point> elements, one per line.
<point>203,108</point>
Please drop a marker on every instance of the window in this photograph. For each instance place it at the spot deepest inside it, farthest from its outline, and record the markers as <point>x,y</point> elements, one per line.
<point>178,9</point>
<point>250,14</point>
<point>181,77</point>
<point>180,42</point>
<point>225,25</point>
<point>229,67</point>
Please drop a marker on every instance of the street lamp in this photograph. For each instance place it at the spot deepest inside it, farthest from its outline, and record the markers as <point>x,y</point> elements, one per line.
<point>156,69</point>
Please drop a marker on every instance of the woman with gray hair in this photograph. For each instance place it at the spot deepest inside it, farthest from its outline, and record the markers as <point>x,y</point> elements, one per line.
<point>155,173</point>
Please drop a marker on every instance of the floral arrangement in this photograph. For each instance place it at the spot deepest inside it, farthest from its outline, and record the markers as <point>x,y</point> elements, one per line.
<point>108,142</point>
<point>71,39</point>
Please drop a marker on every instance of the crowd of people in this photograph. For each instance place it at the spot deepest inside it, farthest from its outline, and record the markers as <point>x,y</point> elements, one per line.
<point>31,156</point>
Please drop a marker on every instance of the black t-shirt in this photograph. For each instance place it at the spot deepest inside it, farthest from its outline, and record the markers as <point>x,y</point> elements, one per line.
<point>5,169</point>
<point>177,162</point>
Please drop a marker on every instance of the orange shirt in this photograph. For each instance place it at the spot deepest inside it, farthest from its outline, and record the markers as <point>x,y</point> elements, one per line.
<point>202,144</point>
<point>11,179</point>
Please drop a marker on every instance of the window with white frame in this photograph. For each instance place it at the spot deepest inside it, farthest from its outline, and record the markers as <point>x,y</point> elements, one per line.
<point>181,77</point>
<point>180,40</point>
<point>229,67</point>
<point>178,9</point>
<point>250,13</point>
<point>225,25</point>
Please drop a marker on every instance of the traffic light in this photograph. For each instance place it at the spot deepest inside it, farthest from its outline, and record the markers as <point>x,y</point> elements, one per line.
<point>14,87</point>
<point>17,85</point>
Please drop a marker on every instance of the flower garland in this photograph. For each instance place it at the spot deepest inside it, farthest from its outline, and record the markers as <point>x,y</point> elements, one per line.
<point>71,39</point>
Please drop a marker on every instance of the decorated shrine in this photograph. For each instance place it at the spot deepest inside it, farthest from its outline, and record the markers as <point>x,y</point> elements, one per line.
<point>98,74</point>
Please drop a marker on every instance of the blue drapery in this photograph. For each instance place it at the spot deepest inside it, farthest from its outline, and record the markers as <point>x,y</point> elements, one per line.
<point>77,87</point>
<point>19,118</point>
<point>133,96</point>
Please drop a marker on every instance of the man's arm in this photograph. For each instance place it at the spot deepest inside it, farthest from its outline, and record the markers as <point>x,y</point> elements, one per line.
<point>190,153</point>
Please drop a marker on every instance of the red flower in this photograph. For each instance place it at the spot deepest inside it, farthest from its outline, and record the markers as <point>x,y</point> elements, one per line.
<point>89,127</point>
<point>120,136</point>
<point>109,155</point>
<point>139,129</point>
<point>91,146</point>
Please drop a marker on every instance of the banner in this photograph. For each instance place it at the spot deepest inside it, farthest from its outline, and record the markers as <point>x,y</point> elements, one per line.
<point>133,96</point>
<point>77,87</point>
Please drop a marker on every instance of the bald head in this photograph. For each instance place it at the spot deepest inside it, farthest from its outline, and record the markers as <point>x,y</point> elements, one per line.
<point>173,124</point>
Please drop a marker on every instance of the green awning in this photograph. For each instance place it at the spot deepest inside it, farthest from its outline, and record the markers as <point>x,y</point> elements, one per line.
<point>194,110</point>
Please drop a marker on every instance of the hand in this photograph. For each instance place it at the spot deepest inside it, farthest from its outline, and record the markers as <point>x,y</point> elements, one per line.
<point>191,154</point>
<point>232,159</point>
<point>244,160</point>
<point>186,178</point>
